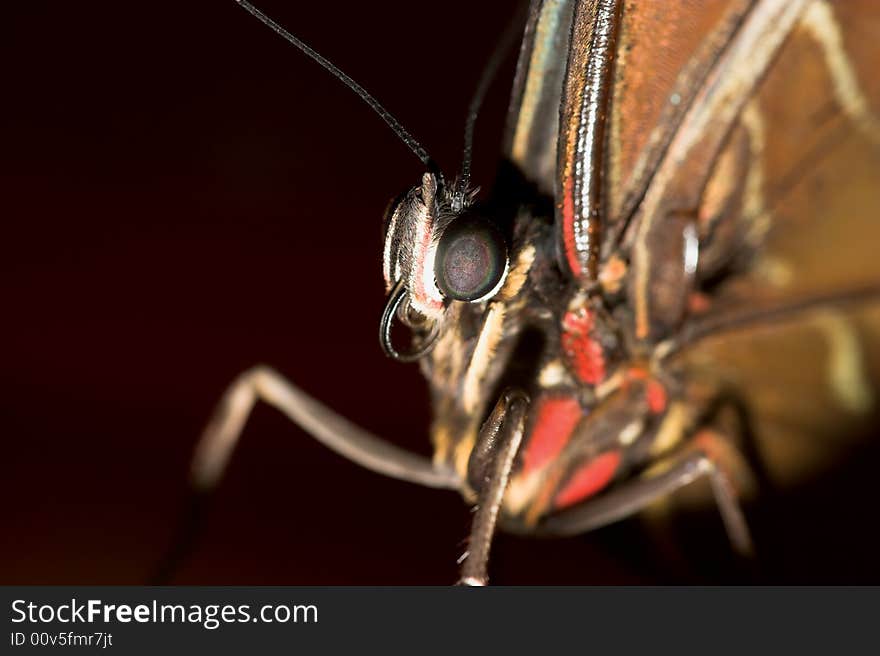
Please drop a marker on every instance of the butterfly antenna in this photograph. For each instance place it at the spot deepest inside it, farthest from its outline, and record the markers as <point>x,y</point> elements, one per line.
<point>499,54</point>
<point>399,130</point>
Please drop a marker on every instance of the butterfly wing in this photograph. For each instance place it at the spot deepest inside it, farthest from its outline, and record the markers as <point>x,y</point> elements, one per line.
<point>793,320</point>
<point>532,126</point>
<point>780,183</point>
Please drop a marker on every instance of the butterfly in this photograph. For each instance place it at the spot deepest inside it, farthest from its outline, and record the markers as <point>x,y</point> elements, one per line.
<point>670,296</point>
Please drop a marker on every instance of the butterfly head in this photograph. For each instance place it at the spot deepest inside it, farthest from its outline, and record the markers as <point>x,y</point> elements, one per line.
<point>438,250</point>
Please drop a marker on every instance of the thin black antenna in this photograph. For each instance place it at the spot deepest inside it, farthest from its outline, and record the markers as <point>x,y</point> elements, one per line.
<point>499,54</point>
<point>399,130</point>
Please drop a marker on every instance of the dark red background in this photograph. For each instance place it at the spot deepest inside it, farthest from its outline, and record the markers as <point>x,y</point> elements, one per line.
<point>184,196</point>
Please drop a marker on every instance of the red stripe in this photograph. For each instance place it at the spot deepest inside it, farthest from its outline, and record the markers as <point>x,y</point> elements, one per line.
<point>585,354</point>
<point>656,397</point>
<point>556,420</point>
<point>589,480</point>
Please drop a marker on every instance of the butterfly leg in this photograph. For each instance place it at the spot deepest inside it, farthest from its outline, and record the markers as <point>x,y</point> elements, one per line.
<point>334,431</point>
<point>709,456</point>
<point>489,473</point>
<point>222,433</point>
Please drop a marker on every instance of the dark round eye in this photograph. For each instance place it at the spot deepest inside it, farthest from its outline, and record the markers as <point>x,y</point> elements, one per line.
<point>471,259</point>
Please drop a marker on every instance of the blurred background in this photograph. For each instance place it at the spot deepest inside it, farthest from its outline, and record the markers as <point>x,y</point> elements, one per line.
<point>184,196</point>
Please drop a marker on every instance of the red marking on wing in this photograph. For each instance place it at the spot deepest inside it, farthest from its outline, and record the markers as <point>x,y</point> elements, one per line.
<point>724,456</point>
<point>655,393</point>
<point>556,419</point>
<point>707,441</point>
<point>635,373</point>
<point>698,303</point>
<point>568,239</point>
<point>656,397</point>
<point>589,480</point>
<point>584,353</point>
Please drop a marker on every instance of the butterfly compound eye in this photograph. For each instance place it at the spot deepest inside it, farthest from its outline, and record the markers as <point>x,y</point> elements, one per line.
<point>471,259</point>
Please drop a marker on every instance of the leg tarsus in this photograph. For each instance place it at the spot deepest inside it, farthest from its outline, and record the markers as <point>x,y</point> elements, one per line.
<point>729,507</point>
<point>185,536</point>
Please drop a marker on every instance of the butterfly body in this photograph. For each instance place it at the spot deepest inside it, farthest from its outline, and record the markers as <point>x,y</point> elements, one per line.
<point>657,257</point>
<point>671,292</point>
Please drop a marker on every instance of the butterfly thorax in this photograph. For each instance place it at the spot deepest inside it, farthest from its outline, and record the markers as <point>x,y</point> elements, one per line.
<point>596,407</point>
